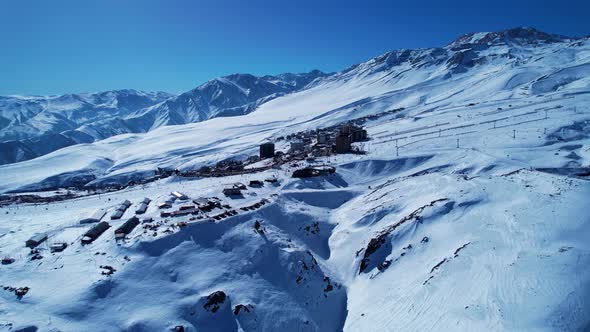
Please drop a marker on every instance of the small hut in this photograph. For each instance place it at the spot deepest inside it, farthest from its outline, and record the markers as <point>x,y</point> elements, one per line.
<point>256,183</point>
<point>58,247</point>
<point>36,240</point>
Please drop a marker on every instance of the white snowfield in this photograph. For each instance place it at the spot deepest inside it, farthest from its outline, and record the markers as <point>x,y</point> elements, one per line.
<point>467,213</point>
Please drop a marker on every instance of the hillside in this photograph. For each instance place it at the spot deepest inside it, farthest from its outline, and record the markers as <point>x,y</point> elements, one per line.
<point>466,211</point>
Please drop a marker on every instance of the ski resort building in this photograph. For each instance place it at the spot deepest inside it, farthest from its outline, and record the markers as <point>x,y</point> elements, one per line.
<point>297,146</point>
<point>117,214</point>
<point>343,143</point>
<point>143,205</point>
<point>126,228</point>
<point>141,208</point>
<point>164,206</point>
<point>267,150</point>
<point>232,191</point>
<point>256,183</point>
<point>36,240</point>
<point>179,195</point>
<point>58,247</point>
<point>322,138</point>
<point>95,232</point>
<point>96,216</point>
<point>204,204</point>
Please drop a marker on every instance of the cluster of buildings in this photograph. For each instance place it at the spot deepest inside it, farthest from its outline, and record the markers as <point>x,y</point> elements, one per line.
<point>236,188</point>
<point>317,143</point>
<point>100,226</point>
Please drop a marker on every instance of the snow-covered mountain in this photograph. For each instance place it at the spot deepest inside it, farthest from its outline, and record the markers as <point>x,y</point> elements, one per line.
<point>34,126</point>
<point>468,211</point>
<point>232,95</point>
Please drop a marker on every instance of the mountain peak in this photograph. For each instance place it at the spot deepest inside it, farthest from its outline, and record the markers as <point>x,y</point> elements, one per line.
<point>518,36</point>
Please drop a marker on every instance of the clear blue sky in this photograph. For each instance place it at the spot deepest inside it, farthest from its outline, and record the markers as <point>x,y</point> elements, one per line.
<point>62,46</point>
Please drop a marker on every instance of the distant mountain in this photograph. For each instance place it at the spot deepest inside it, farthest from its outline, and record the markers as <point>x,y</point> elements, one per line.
<point>231,95</point>
<point>515,36</point>
<point>32,126</point>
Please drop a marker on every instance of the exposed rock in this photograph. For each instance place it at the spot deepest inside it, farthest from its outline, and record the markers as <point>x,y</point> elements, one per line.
<point>376,242</point>
<point>243,308</point>
<point>214,300</point>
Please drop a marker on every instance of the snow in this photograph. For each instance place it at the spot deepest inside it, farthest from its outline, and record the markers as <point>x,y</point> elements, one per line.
<point>465,214</point>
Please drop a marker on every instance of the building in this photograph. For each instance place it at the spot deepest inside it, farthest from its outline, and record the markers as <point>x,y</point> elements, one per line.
<point>297,146</point>
<point>185,212</point>
<point>256,183</point>
<point>164,206</point>
<point>204,204</point>
<point>120,210</point>
<point>179,195</point>
<point>322,138</point>
<point>309,172</point>
<point>96,231</point>
<point>358,134</point>
<point>186,207</point>
<point>321,150</point>
<point>143,205</point>
<point>343,143</point>
<point>141,208</point>
<point>36,240</point>
<point>96,216</point>
<point>117,214</point>
<point>267,150</point>
<point>232,191</point>
<point>345,129</point>
<point>126,228</point>
<point>58,247</point>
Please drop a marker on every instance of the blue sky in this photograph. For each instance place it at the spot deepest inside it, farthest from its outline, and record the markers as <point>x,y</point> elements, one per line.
<point>62,46</point>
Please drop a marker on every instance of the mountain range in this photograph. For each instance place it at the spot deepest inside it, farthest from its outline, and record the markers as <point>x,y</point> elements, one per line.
<point>31,126</point>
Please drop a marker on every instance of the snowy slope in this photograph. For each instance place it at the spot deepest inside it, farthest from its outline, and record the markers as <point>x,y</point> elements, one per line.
<point>468,211</point>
